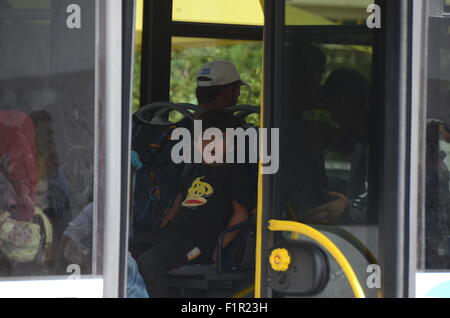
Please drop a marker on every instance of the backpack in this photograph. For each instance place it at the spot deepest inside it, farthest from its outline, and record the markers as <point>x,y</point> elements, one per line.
<point>156,178</point>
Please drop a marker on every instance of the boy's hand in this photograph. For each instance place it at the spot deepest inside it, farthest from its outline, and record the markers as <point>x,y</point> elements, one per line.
<point>170,213</point>
<point>329,212</point>
<point>168,217</point>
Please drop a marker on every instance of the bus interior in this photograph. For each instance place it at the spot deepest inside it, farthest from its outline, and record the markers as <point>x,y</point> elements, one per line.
<point>363,130</point>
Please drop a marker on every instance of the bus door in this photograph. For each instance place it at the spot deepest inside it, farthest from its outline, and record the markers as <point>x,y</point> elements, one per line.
<point>332,217</point>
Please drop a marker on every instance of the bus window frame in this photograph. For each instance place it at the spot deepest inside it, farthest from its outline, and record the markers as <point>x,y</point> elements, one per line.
<point>156,51</point>
<point>128,47</point>
<point>217,31</point>
<point>418,146</point>
<point>157,33</point>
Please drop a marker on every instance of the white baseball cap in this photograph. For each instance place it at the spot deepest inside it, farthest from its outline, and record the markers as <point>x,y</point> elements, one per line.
<point>218,73</point>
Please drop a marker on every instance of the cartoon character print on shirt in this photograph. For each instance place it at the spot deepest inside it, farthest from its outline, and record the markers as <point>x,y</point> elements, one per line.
<point>197,194</point>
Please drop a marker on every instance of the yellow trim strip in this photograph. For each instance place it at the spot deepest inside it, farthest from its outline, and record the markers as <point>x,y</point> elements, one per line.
<point>259,229</point>
<point>244,292</point>
<point>289,226</point>
<point>259,213</point>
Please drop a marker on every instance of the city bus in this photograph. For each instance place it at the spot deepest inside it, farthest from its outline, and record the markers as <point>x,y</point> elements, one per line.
<point>355,93</point>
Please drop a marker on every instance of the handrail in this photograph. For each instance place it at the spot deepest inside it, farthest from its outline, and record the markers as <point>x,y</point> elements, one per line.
<point>220,241</point>
<point>290,226</point>
<point>345,235</point>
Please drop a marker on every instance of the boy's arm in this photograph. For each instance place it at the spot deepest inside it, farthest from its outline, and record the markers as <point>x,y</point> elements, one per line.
<point>240,215</point>
<point>170,215</point>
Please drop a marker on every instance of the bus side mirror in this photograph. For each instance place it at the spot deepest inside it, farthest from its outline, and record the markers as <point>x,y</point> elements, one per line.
<point>298,268</point>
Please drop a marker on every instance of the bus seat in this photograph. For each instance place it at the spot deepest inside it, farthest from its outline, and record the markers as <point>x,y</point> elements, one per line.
<point>151,144</point>
<point>235,262</point>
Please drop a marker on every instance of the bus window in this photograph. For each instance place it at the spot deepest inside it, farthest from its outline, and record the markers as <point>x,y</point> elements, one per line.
<point>436,236</point>
<point>48,147</point>
<point>326,12</point>
<point>188,54</point>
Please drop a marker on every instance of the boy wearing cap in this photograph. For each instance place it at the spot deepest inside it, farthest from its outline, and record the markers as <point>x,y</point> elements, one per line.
<point>212,197</point>
<point>218,85</point>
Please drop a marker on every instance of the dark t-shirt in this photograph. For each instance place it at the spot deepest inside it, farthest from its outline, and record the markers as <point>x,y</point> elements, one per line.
<point>206,206</point>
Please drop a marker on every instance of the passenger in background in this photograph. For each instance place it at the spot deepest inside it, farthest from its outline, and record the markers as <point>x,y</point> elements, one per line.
<point>218,85</point>
<point>305,67</point>
<point>346,96</point>
<point>303,178</point>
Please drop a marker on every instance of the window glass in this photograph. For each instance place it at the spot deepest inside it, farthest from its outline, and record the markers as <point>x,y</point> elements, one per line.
<point>338,123</point>
<point>323,109</point>
<point>48,126</point>
<point>244,12</point>
<point>326,12</point>
<point>188,54</point>
<point>437,206</point>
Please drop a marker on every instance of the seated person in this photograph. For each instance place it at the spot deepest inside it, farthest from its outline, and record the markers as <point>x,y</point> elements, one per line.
<point>218,85</point>
<point>212,197</point>
<point>346,95</point>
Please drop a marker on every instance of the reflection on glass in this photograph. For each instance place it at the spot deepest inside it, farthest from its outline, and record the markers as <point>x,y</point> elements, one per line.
<point>324,147</point>
<point>326,177</point>
<point>326,12</point>
<point>437,202</point>
<point>188,54</point>
<point>47,129</point>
